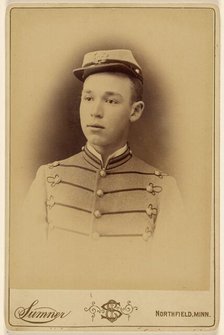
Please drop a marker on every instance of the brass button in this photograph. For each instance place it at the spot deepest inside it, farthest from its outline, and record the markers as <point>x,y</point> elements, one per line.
<point>99,193</point>
<point>146,236</point>
<point>50,202</point>
<point>97,214</point>
<point>149,188</point>
<point>150,211</point>
<point>54,180</point>
<point>148,230</point>
<point>102,173</point>
<point>95,235</point>
<point>54,164</point>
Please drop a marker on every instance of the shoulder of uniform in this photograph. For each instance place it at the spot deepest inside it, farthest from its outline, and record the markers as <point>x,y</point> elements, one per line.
<point>147,168</point>
<point>75,159</point>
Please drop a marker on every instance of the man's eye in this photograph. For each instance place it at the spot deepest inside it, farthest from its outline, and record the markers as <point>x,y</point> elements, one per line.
<point>112,101</point>
<point>88,98</point>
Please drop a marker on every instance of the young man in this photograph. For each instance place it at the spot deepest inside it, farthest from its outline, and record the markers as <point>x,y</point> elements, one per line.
<point>104,218</point>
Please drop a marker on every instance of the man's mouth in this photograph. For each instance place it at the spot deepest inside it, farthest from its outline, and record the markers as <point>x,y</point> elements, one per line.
<point>95,125</point>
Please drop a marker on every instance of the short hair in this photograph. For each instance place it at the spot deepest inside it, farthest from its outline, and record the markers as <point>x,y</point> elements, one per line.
<point>136,86</point>
<point>137,89</point>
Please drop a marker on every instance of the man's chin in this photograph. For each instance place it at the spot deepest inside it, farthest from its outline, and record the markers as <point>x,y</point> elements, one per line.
<point>95,143</point>
<point>95,139</point>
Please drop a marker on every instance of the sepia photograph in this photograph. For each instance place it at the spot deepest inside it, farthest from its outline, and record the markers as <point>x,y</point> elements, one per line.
<point>113,153</point>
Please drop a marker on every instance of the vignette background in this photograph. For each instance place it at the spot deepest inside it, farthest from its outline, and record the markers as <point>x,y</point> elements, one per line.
<point>175,48</point>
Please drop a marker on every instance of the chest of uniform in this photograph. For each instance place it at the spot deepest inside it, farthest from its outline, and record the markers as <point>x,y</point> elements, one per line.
<point>102,203</point>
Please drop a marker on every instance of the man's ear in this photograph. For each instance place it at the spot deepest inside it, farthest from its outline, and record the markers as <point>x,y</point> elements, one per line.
<point>136,110</point>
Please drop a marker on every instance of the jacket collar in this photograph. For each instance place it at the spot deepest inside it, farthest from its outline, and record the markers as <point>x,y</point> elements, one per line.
<point>118,158</point>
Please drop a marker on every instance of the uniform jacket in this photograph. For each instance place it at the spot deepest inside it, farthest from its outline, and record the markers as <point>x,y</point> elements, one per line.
<point>121,223</point>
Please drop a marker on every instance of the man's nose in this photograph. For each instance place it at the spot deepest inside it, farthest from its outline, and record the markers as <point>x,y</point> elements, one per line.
<point>97,109</point>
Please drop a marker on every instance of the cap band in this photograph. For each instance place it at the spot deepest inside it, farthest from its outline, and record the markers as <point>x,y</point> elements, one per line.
<point>109,61</point>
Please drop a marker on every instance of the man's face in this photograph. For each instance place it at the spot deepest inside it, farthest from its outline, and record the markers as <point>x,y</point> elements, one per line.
<point>105,110</point>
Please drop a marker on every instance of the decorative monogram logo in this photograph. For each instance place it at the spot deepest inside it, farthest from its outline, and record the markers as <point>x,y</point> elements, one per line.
<point>111,310</point>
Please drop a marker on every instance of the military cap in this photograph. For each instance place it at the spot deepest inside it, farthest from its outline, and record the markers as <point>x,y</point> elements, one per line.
<point>119,60</point>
